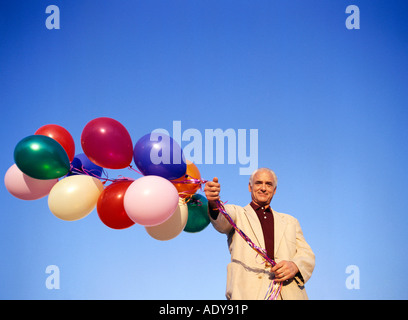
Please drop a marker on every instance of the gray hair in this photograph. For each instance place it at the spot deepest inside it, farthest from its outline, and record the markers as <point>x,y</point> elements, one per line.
<point>275,178</point>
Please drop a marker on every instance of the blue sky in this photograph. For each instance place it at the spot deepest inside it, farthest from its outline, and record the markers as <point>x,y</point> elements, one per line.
<point>329,105</point>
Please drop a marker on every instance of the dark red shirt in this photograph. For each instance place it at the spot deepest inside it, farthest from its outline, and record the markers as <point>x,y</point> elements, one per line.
<point>265,217</point>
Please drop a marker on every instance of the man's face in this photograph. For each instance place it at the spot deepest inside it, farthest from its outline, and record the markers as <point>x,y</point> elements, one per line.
<point>263,188</point>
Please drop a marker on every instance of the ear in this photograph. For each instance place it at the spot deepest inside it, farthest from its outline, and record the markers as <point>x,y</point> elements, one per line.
<point>249,187</point>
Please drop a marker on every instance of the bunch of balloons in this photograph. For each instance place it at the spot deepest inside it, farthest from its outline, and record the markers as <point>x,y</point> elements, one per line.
<point>163,200</point>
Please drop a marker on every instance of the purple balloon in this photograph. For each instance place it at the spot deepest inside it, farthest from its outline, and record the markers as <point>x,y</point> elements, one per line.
<point>158,154</point>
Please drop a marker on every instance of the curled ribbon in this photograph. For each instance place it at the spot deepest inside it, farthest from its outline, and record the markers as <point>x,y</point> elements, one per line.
<point>274,287</point>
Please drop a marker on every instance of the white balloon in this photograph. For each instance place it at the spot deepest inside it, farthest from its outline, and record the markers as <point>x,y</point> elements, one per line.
<point>74,197</point>
<point>172,227</point>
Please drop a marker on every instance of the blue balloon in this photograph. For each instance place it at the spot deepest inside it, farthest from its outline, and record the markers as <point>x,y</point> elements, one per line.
<point>82,165</point>
<point>158,154</point>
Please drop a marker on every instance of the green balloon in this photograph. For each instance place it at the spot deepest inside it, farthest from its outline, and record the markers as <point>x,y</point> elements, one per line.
<point>198,218</point>
<point>41,157</point>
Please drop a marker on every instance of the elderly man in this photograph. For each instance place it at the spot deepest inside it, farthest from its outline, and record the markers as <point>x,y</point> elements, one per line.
<point>248,276</point>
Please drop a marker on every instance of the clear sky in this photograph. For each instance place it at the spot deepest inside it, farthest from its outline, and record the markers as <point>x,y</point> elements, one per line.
<point>329,105</point>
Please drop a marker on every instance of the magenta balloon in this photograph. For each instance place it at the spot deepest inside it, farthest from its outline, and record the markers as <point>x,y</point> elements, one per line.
<point>151,200</point>
<point>24,187</point>
<point>107,143</point>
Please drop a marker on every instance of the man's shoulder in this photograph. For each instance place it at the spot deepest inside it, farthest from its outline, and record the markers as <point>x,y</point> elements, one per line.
<point>236,208</point>
<point>285,216</point>
<point>233,207</point>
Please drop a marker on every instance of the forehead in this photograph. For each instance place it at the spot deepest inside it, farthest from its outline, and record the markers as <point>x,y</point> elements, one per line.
<point>263,176</point>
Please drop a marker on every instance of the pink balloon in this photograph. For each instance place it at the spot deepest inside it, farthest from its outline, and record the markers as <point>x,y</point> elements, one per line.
<point>151,200</point>
<point>24,187</point>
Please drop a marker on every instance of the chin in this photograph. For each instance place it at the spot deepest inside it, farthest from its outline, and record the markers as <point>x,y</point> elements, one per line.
<point>263,202</point>
<point>264,199</point>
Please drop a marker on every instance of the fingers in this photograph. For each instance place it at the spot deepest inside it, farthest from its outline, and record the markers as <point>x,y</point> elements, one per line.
<point>280,277</point>
<point>284,270</point>
<point>279,270</point>
<point>212,190</point>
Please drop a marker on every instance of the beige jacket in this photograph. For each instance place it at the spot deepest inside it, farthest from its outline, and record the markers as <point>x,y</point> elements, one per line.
<point>248,277</point>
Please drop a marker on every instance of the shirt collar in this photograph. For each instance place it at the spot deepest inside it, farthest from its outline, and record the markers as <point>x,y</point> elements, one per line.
<point>258,208</point>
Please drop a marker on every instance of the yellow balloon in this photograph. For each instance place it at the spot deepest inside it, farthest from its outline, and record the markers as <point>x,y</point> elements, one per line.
<point>74,197</point>
<point>173,226</point>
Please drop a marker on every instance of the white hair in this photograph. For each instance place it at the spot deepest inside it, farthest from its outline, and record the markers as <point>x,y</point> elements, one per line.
<point>275,178</point>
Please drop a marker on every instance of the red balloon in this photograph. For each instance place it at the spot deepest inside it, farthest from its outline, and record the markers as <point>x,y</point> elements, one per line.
<point>61,135</point>
<point>110,206</point>
<point>107,143</point>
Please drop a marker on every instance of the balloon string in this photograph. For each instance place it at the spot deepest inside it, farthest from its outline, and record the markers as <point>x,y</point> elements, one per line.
<point>190,180</point>
<point>91,174</point>
<point>221,208</point>
<point>122,178</point>
<point>259,250</point>
<point>274,288</point>
<point>133,169</point>
<point>190,199</point>
<point>187,196</point>
<point>273,291</point>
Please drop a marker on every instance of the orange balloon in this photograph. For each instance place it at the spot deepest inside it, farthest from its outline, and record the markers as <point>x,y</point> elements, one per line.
<point>187,189</point>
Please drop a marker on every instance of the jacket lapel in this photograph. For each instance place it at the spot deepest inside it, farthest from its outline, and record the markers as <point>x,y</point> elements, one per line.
<point>255,225</point>
<point>279,230</point>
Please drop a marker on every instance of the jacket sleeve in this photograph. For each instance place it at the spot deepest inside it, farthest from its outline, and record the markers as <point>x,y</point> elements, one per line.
<point>304,257</point>
<point>221,224</point>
